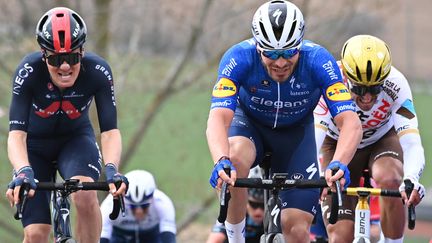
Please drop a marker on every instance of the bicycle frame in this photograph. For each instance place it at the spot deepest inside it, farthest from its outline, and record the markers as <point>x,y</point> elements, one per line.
<point>60,208</point>
<point>279,181</point>
<point>362,211</point>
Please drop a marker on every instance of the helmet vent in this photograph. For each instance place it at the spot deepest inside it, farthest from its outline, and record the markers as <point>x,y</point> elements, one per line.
<point>359,77</point>
<point>378,77</point>
<point>61,34</point>
<point>293,26</point>
<point>369,70</point>
<point>263,31</point>
<point>60,15</point>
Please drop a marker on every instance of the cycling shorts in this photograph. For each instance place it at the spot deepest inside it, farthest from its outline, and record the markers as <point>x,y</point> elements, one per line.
<point>388,145</point>
<point>293,151</point>
<point>70,156</point>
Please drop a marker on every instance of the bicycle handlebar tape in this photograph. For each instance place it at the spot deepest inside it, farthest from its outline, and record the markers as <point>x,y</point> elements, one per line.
<point>116,209</point>
<point>409,186</point>
<point>335,201</point>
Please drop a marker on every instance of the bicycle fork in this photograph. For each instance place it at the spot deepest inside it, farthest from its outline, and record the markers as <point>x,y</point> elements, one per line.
<point>61,217</point>
<point>362,219</point>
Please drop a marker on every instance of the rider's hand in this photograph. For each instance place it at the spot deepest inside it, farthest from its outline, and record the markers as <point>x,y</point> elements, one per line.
<point>417,193</point>
<point>218,173</point>
<point>112,176</point>
<point>24,174</point>
<point>343,174</point>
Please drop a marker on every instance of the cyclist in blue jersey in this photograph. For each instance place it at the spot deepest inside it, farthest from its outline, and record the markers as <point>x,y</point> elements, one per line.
<point>49,121</point>
<point>263,100</point>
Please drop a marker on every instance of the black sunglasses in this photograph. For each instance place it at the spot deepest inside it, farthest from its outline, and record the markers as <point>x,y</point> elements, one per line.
<point>143,206</point>
<point>256,205</point>
<point>362,90</point>
<point>57,60</point>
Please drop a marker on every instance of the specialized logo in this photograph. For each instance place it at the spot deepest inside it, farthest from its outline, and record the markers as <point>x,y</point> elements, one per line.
<point>277,13</point>
<point>338,92</point>
<point>224,88</point>
<point>275,212</point>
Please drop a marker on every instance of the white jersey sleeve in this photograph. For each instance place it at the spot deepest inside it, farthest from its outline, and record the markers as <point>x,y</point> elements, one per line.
<point>166,211</point>
<point>406,125</point>
<point>322,120</point>
<point>106,208</point>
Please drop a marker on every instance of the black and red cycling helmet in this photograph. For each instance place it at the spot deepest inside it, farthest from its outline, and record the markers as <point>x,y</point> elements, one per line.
<point>61,30</point>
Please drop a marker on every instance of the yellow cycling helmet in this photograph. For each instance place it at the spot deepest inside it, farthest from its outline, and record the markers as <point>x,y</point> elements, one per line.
<point>366,60</point>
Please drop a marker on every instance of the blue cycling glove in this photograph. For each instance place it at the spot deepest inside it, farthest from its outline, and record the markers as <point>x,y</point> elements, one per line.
<point>344,168</point>
<point>25,174</point>
<point>112,175</point>
<point>223,162</point>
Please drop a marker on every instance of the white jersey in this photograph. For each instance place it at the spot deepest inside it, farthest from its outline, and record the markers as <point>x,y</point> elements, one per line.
<point>161,212</point>
<point>380,119</point>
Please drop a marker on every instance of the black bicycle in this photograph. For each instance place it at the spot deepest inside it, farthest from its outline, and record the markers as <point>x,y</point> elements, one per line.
<point>60,203</point>
<point>272,183</point>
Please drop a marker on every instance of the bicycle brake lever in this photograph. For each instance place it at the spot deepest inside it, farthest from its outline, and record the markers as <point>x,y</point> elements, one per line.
<point>409,186</point>
<point>23,195</point>
<point>224,198</point>
<point>122,206</point>
<point>336,200</point>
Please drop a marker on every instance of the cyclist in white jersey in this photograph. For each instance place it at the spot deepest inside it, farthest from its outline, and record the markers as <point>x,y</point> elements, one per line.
<point>150,214</point>
<point>391,146</point>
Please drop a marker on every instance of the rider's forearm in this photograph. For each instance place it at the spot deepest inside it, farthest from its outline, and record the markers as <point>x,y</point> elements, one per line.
<point>111,146</point>
<point>217,133</point>
<point>349,137</point>
<point>413,155</point>
<point>17,149</point>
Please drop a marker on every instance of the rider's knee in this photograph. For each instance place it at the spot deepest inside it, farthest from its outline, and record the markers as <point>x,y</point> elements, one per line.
<point>297,233</point>
<point>85,200</point>
<point>340,234</point>
<point>387,172</point>
<point>37,233</point>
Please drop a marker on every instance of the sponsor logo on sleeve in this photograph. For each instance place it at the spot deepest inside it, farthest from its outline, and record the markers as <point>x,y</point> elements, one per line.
<point>224,88</point>
<point>338,92</point>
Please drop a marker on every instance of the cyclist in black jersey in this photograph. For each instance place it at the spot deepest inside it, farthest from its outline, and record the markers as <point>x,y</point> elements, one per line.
<point>49,121</point>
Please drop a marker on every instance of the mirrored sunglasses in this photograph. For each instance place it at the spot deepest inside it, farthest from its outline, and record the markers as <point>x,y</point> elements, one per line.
<point>142,206</point>
<point>276,54</point>
<point>57,60</point>
<point>362,90</point>
<point>256,205</point>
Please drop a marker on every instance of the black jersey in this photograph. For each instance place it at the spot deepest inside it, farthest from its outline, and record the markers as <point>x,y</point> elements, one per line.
<point>42,110</point>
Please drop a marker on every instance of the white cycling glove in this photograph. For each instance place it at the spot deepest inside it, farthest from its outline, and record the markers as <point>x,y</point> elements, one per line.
<point>417,186</point>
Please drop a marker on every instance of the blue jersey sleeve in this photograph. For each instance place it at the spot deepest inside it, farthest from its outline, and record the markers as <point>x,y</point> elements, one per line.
<point>334,91</point>
<point>232,67</point>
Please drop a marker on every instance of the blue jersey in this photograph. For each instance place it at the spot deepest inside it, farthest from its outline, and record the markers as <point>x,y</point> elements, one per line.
<point>243,80</point>
<point>42,110</point>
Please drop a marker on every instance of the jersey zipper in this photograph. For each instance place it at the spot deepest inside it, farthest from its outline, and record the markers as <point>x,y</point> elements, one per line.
<point>277,106</point>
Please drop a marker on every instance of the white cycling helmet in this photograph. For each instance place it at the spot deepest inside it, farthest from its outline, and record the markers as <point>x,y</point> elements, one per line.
<point>141,187</point>
<point>278,24</point>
